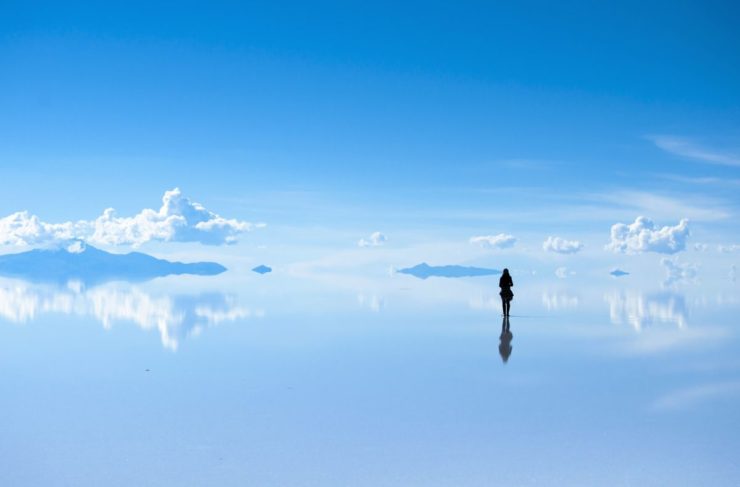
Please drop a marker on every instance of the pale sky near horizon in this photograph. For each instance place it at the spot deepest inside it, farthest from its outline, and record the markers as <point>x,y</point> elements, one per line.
<point>430,125</point>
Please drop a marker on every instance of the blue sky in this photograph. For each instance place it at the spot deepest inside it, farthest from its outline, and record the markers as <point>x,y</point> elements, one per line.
<point>337,142</point>
<point>331,121</point>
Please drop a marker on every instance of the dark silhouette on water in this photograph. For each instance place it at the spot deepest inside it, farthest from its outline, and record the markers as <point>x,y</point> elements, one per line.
<point>504,346</point>
<point>505,283</point>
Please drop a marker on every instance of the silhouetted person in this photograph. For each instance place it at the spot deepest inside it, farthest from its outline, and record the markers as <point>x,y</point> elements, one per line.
<point>504,346</point>
<point>505,283</point>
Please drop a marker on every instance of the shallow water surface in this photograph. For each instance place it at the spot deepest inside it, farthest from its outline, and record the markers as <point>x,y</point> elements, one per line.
<point>377,381</point>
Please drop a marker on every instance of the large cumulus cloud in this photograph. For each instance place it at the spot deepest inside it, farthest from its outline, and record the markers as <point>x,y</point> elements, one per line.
<point>22,228</point>
<point>644,236</point>
<point>178,220</point>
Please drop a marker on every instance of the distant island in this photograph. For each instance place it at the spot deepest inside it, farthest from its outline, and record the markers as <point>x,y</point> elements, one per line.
<point>91,265</point>
<point>262,269</point>
<point>619,273</point>
<point>424,270</point>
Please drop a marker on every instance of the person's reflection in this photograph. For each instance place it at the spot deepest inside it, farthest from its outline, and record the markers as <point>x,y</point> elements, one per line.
<point>504,346</point>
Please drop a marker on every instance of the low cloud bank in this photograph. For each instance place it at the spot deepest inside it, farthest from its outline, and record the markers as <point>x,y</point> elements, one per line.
<point>178,220</point>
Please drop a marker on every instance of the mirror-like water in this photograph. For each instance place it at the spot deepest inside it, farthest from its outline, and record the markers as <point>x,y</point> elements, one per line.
<point>276,380</point>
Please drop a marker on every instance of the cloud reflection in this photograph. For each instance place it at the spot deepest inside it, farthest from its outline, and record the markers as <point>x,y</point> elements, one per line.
<point>554,301</point>
<point>641,310</point>
<point>175,317</point>
<point>373,302</point>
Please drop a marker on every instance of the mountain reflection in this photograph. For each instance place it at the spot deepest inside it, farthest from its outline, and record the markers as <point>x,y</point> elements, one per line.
<point>175,317</point>
<point>644,310</point>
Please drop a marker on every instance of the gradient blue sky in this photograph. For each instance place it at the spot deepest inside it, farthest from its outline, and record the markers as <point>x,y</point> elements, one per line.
<point>427,122</point>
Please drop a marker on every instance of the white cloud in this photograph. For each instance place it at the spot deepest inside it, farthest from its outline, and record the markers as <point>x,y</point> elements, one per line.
<point>22,228</point>
<point>178,220</point>
<point>500,241</point>
<point>685,148</point>
<point>564,272</point>
<point>642,236</point>
<point>561,246</point>
<point>677,271</point>
<point>733,272</point>
<point>375,239</point>
<point>701,247</point>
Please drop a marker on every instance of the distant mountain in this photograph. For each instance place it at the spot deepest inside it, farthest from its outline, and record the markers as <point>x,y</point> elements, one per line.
<point>424,270</point>
<point>619,273</point>
<point>262,269</point>
<point>91,265</point>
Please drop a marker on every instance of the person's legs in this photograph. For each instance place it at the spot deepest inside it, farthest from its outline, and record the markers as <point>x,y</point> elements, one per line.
<point>503,306</point>
<point>508,306</point>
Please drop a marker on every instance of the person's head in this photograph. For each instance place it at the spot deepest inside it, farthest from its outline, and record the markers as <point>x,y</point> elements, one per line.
<point>506,272</point>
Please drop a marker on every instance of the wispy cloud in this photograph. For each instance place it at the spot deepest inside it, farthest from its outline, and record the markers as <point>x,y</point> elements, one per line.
<point>684,147</point>
<point>700,180</point>
<point>697,208</point>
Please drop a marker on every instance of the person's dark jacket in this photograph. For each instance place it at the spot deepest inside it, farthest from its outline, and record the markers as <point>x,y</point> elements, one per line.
<point>506,283</point>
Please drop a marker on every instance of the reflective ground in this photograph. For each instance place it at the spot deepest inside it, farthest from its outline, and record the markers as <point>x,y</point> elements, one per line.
<point>383,380</point>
